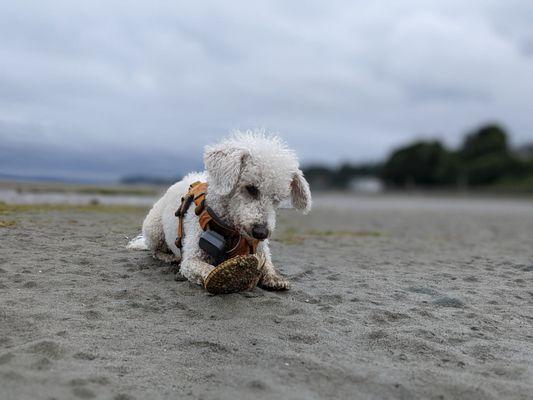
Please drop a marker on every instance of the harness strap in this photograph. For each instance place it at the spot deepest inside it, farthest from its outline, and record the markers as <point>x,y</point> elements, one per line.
<point>208,219</point>
<point>196,190</point>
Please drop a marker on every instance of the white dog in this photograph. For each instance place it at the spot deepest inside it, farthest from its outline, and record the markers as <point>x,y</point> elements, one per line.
<point>248,175</point>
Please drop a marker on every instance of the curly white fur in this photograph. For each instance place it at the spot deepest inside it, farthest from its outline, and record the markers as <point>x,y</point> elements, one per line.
<point>242,159</point>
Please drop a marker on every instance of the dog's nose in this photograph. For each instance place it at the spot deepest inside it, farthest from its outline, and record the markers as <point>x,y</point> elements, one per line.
<point>260,231</point>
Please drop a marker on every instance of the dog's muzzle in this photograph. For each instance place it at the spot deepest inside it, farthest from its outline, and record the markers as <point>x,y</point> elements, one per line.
<point>260,231</point>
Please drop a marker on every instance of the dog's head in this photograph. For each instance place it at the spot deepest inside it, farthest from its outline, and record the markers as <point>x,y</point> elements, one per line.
<point>249,175</point>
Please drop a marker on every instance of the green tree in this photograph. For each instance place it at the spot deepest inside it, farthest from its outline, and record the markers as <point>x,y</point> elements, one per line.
<point>487,140</point>
<point>422,164</point>
<point>486,158</point>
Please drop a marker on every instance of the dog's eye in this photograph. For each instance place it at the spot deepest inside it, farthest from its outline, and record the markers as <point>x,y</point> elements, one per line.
<point>252,190</point>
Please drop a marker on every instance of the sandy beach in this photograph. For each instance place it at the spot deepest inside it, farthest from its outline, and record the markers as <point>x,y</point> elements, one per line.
<point>393,297</point>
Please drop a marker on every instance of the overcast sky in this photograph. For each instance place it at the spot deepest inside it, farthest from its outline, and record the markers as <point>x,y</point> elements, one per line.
<point>340,80</point>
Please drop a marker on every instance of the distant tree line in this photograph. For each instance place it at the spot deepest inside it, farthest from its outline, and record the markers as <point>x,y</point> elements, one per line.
<point>325,178</point>
<point>149,180</point>
<point>485,158</point>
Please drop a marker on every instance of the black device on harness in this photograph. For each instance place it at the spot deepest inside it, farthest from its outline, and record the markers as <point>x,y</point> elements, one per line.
<point>214,244</point>
<point>219,240</point>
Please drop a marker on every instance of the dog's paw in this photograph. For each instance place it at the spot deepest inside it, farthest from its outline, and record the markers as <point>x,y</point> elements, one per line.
<point>274,282</point>
<point>165,257</point>
<point>178,277</point>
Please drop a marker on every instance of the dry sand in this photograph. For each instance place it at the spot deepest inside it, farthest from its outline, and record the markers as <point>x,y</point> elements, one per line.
<point>393,298</point>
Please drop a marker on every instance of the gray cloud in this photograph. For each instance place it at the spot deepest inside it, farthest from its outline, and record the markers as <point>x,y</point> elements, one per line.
<point>339,80</point>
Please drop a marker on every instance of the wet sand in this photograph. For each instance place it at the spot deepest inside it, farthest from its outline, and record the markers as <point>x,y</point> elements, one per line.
<point>393,298</point>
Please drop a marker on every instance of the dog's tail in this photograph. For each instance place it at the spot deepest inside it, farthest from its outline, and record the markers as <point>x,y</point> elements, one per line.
<point>138,243</point>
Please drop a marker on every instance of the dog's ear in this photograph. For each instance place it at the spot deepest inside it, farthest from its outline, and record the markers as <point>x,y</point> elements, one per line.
<point>224,166</point>
<point>300,192</point>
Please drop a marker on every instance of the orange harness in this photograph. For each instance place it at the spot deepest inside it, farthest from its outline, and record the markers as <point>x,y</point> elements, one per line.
<point>237,244</point>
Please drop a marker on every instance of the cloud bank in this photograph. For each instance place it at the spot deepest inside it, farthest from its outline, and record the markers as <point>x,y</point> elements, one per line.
<point>339,79</point>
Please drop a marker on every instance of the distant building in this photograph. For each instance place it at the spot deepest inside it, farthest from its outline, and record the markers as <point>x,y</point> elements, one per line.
<point>366,184</point>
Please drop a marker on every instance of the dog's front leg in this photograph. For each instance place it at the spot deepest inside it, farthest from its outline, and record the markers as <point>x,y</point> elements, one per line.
<point>271,279</point>
<point>195,270</point>
<point>193,260</point>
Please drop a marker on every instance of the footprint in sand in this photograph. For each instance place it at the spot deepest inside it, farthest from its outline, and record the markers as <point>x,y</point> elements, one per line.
<point>92,315</point>
<point>331,299</point>
<point>448,302</point>
<point>47,348</point>
<point>303,339</point>
<point>386,316</point>
<point>6,358</point>
<point>123,396</point>
<point>43,364</point>
<point>258,385</point>
<point>423,290</point>
<point>210,346</point>
<point>83,393</point>
<point>84,356</point>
